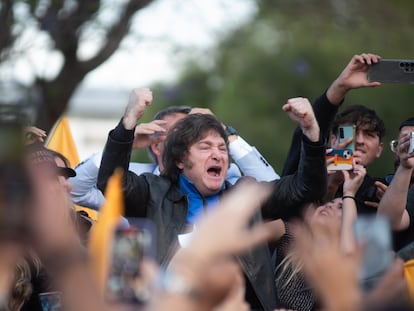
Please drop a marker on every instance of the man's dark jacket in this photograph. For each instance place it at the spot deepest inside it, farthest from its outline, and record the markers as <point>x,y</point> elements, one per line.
<point>157,198</point>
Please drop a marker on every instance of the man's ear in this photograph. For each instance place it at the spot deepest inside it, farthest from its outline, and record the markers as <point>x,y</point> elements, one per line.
<point>180,165</point>
<point>380,149</point>
<point>156,149</point>
<point>333,140</point>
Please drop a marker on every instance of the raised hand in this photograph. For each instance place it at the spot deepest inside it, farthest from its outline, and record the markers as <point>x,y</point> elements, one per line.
<point>150,133</point>
<point>32,134</point>
<point>139,100</point>
<point>353,76</point>
<point>353,179</point>
<point>300,110</point>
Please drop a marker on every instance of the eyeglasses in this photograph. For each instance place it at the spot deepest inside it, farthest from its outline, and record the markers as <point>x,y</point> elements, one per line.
<point>393,145</point>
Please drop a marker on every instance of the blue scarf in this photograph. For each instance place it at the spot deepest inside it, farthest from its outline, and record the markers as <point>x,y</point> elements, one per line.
<point>198,205</point>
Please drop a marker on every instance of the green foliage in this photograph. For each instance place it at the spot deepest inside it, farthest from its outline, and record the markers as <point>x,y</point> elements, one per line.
<point>297,48</point>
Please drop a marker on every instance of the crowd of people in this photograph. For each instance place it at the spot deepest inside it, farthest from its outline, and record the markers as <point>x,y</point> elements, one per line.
<point>225,230</point>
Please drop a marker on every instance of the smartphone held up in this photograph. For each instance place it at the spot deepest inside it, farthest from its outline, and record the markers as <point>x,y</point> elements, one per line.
<point>392,71</point>
<point>342,158</point>
<point>132,244</point>
<point>411,146</point>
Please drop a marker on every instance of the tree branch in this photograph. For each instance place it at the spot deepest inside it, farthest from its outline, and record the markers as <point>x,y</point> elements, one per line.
<point>7,20</point>
<point>115,34</point>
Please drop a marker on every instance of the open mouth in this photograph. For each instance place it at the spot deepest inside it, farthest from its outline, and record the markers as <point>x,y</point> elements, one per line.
<point>214,171</point>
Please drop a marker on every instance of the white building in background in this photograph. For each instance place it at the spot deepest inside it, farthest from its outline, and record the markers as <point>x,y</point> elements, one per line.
<point>92,114</point>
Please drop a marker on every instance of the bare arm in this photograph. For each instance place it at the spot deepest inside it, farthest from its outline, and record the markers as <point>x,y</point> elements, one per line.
<point>352,182</point>
<point>393,203</point>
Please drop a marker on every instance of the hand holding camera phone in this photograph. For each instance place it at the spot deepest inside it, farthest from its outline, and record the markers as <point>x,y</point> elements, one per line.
<point>411,146</point>
<point>343,158</point>
<point>132,244</point>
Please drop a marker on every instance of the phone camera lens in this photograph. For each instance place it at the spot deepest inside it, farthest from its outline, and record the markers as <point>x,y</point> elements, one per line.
<point>341,133</point>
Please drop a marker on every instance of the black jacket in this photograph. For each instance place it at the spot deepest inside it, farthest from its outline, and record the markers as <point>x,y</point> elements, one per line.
<point>325,113</point>
<point>157,198</point>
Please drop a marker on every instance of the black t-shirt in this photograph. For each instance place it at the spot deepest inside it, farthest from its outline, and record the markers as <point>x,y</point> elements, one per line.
<point>366,192</point>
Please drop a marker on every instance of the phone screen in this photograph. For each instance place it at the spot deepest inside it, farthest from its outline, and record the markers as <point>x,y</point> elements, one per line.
<point>342,159</point>
<point>132,244</point>
<point>50,301</point>
<point>374,234</point>
<point>345,132</point>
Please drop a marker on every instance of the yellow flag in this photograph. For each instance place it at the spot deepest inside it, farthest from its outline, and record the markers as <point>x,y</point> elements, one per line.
<point>61,140</point>
<point>102,232</point>
<point>409,278</point>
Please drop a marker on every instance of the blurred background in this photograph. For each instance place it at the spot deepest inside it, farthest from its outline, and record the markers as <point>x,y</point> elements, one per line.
<point>242,59</point>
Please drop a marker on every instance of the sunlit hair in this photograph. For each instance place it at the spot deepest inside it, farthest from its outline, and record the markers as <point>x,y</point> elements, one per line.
<point>360,116</point>
<point>26,267</point>
<point>184,134</point>
<point>161,115</point>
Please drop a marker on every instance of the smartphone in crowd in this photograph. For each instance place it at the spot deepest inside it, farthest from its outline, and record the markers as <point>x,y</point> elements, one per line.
<point>342,158</point>
<point>132,244</point>
<point>411,146</point>
<point>392,71</point>
<point>51,301</point>
<point>373,232</point>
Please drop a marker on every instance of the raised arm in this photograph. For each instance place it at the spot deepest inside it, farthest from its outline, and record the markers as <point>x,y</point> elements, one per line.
<point>393,203</point>
<point>84,190</point>
<point>352,181</point>
<point>308,184</point>
<point>353,76</point>
<point>250,161</point>
<point>118,147</point>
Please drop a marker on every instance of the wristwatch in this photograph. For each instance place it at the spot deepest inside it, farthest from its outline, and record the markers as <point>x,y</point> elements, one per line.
<point>230,130</point>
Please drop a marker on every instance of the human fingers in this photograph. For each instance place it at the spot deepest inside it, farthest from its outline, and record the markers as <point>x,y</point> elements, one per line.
<point>150,128</point>
<point>201,110</point>
<point>343,144</point>
<point>36,131</point>
<point>217,235</point>
<point>32,133</point>
<point>370,58</point>
<point>256,235</point>
<point>371,204</point>
<point>381,188</point>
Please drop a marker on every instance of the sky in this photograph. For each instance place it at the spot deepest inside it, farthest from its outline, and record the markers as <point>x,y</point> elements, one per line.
<point>150,55</point>
<point>162,36</point>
